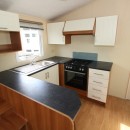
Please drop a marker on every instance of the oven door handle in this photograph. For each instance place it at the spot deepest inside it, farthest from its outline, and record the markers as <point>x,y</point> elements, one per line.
<point>75,72</point>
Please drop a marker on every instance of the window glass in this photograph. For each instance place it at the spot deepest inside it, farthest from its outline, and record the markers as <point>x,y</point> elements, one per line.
<point>32,43</point>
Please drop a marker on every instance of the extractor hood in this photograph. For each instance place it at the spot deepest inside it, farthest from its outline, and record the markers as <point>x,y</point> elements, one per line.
<point>78,27</point>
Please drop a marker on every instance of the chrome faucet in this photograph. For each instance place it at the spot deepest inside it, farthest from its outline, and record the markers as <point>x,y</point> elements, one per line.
<point>33,62</point>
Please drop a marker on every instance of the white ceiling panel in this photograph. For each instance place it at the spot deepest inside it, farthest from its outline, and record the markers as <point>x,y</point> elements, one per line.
<point>48,9</point>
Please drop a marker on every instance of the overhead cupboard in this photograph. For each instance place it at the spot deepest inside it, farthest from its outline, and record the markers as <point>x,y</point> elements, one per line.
<point>105,31</point>
<point>102,28</point>
<point>9,32</point>
<point>55,35</point>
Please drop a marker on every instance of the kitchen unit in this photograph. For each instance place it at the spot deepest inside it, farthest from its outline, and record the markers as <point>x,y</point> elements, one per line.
<point>46,103</point>
<point>81,26</point>
<point>105,32</point>
<point>9,30</point>
<point>61,32</point>
<point>98,84</point>
<point>98,80</point>
<point>50,75</point>
<point>55,35</point>
<point>89,78</point>
<point>46,98</point>
<point>5,25</point>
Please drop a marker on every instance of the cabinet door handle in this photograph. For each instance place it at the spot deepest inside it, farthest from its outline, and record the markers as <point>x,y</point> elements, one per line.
<point>97,90</point>
<point>98,74</point>
<point>47,74</point>
<point>96,97</point>
<point>97,82</point>
<point>3,28</point>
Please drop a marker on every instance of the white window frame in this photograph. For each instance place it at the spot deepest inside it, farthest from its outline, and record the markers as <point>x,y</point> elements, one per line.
<point>30,28</point>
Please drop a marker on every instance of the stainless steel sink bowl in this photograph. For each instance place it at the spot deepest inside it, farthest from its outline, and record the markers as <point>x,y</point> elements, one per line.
<point>27,69</point>
<point>46,63</point>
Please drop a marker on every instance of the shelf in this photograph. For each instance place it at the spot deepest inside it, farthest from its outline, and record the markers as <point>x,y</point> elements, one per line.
<point>15,43</point>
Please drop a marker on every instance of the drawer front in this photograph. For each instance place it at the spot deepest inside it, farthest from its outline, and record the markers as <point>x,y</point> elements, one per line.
<point>98,97</point>
<point>98,82</point>
<point>97,89</point>
<point>99,73</point>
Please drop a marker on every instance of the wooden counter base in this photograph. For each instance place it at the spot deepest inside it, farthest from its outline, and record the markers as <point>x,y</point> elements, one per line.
<point>39,116</point>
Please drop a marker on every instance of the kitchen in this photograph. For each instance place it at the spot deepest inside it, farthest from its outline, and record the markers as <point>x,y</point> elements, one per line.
<point>117,54</point>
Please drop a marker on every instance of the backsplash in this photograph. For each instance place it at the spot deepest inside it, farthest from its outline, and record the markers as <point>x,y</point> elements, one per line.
<point>85,55</point>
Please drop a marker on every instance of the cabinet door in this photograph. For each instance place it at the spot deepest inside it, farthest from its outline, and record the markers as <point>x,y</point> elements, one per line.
<point>106,30</point>
<point>9,21</point>
<point>51,75</point>
<point>55,33</point>
<point>79,25</point>
<point>40,75</point>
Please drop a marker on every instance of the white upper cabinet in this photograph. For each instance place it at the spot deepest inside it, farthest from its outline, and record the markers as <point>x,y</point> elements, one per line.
<point>105,32</point>
<point>9,21</point>
<point>79,25</point>
<point>55,33</point>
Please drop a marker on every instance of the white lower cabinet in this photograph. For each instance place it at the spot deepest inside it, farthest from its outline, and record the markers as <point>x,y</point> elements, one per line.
<point>98,84</point>
<point>50,75</point>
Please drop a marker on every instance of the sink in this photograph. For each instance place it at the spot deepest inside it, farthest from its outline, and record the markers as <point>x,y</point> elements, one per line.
<point>29,68</point>
<point>46,63</point>
<point>33,67</point>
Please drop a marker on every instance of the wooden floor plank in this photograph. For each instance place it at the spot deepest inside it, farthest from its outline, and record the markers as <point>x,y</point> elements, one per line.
<point>115,115</point>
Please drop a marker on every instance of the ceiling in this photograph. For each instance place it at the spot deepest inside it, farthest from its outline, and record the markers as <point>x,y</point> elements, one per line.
<point>48,9</point>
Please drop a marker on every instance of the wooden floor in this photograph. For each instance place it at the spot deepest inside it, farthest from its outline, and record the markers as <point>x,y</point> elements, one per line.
<point>114,116</point>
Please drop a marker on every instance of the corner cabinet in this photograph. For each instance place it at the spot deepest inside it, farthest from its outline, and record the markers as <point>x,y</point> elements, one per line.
<point>9,32</point>
<point>98,84</point>
<point>105,32</point>
<point>55,33</point>
<point>50,75</point>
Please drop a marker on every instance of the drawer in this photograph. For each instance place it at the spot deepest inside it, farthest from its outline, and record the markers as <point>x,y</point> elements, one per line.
<point>99,73</point>
<point>98,82</point>
<point>98,97</point>
<point>97,89</point>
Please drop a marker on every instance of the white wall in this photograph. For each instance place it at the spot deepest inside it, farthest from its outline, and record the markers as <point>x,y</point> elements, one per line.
<point>119,54</point>
<point>8,60</point>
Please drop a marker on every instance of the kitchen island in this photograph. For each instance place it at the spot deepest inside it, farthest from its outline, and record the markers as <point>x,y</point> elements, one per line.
<point>45,105</point>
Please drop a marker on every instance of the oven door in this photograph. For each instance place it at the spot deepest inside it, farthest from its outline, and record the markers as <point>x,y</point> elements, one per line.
<point>76,79</point>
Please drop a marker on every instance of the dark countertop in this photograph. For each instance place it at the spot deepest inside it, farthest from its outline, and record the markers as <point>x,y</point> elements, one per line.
<point>56,97</point>
<point>101,65</point>
<point>59,59</point>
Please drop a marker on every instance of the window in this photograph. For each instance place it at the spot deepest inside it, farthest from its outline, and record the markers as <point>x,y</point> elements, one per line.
<point>32,41</point>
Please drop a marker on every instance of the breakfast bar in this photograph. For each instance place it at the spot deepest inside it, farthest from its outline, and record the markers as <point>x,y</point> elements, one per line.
<point>27,93</point>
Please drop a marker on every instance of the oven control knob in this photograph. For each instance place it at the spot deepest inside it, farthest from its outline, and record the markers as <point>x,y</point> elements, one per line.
<point>80,69</point>
<point>83,69</point>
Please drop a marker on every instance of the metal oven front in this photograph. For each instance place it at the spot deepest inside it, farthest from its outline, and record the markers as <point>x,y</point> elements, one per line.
<point>76,79</point>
